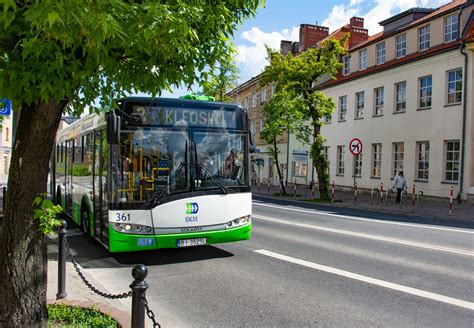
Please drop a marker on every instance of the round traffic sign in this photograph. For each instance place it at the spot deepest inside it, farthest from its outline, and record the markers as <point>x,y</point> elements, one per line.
<point>355,146</point>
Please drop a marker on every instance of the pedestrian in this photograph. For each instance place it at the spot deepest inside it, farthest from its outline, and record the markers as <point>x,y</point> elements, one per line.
<point>400,183</point>
<point>254,177</point>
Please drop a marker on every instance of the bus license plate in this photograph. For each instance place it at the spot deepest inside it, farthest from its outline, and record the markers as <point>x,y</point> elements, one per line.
<point>192,242</point>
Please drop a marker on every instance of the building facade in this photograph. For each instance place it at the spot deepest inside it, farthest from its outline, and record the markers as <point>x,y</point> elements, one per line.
<point>405,93</point>
<point>5,147</point>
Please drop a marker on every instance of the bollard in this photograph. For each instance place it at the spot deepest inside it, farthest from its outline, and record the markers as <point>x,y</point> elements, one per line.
<point>312,189</point>
<point>294,189</point>
<point>381,195</point>
<point>4,194</point>
<point>62,261</point>
<point>258,184</point>
<point>413,198</point>
<point>332,192</point>
<point>419,202</point>
<point>139,287</point>
<point>451,201</point>
<point>268,186</point>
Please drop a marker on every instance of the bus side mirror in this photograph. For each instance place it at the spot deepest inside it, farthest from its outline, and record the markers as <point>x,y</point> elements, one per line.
<point>113,128</point>
<point>252,147</point>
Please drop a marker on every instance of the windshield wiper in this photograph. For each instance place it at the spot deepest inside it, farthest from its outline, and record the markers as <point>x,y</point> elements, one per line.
<point>219,184</point>
<point>157,196</point>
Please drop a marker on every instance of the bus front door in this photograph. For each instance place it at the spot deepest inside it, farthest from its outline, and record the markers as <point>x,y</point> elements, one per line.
<point>101,162</point>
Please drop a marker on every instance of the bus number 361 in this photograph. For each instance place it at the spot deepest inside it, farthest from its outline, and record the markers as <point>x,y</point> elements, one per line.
<point>123,217</point>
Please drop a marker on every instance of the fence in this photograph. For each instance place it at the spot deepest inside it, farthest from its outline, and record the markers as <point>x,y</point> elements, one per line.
<point>138,286</point>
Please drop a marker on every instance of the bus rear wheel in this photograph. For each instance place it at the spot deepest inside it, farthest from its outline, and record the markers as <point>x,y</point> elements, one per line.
<point>85,225</point>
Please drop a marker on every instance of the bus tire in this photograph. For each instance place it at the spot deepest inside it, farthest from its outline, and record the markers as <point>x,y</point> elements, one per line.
<point>85,224</point>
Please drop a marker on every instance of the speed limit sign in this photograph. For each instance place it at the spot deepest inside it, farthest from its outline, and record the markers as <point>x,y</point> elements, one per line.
<point>355,146</point>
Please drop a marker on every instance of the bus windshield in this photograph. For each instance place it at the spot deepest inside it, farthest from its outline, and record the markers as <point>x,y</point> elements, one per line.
<point>148,162</point>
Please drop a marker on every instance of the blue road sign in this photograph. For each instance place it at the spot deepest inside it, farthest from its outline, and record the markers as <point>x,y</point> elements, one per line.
<point>5,107</point>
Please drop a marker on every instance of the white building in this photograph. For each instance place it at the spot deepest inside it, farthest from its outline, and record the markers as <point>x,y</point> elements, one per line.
<point>406,93</point>
<point>5,148</point>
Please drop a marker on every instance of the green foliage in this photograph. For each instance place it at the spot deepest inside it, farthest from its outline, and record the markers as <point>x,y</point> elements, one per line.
<point>82,50</point>
<point>81,170</point>
<point>62,315</point>
<point>46,212</point>
<point>221,78</point>
<point>298,102</point>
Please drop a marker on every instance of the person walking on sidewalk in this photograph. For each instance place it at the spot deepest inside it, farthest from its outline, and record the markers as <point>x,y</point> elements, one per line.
<point>400,183</point>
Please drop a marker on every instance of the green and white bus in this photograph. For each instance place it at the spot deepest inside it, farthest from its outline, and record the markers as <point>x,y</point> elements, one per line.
<point>157,173</point>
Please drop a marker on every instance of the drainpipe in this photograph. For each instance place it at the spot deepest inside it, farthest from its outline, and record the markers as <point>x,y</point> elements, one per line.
<point>464,114</point>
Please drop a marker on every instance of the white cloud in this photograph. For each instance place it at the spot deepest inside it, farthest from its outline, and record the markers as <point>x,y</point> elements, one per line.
<point>380,10</point>
<point>252,58</point>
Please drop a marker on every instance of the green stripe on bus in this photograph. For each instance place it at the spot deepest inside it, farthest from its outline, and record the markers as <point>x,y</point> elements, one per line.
<point>122,242</point>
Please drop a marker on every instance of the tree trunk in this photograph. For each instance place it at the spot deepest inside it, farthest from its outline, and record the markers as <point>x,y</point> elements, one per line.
<point>23,255</point>
<point>320,164</point>
<point>280,176</point>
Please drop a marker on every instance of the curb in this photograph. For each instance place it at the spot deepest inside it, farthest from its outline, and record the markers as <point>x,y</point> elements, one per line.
<point>122,317</point>
<point>385,211</point>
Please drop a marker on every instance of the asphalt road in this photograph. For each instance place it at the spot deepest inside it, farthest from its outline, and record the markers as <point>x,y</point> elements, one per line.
<point>307,267</point>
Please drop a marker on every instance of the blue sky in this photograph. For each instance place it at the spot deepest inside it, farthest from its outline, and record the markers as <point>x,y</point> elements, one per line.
<point>280,20</point>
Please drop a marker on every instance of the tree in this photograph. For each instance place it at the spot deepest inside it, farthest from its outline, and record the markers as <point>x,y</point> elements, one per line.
<point>221,79</point>
<point>295,75</point>
<point>281,116</point>
<point>65,54</point>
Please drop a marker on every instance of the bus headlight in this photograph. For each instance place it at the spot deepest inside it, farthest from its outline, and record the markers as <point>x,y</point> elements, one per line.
<point>138,228</point>
<point>128,227</point>
<point>148,229</point>
<point>243,220</point>
<point>131,228</point>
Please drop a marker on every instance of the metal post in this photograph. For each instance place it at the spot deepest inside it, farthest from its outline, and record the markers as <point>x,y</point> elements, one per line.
<point>312,189</point>
<point>294,190</point>
<point>381,195</point>
<point>332,192</point>
<point>258,184</point>
<point>355,193</point>
<point>4,194</point>
<point>413,198</point>
<point>139,287</point>
<point>62,261</point>
<point>268,186</point>
<point>451,201</point>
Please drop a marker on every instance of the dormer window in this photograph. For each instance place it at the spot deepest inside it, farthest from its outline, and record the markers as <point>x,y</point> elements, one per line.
<point>380,53</point>
<point>424,38</point>
<point>362,59</point>
<point>451,28</point>
<point>346,62</point>
<point>401,46</point>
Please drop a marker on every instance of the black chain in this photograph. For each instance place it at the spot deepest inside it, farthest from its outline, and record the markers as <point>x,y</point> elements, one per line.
<point>149,312</point>
<point>87,283</point>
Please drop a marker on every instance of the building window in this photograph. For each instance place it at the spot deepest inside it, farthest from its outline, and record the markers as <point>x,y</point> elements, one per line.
<point>327,119</point>
<point>452,155</point>
<point>425,92</point>
<point>254,100</point>
<point>451,28</point>
<point>359,106</point>
<point>264,95</point>
<point>455,86</point>
<point>424,38</point>
<point>261,124</point>
<point>300,168</point>
<point>252,126</point>
<point>362,59</point>
<point>273,90</point>
<point>380,53</point>
<point>342,108</point>
<point>378,94</point>
<point>400,97</point>
<point>246,103</point>
<point>358,165</point>
<point>401,45</point>
<point>376,160</point>
<point>346,62</point>
<point>340,160</point>
<point>422,160</point>
<point>398,153</point>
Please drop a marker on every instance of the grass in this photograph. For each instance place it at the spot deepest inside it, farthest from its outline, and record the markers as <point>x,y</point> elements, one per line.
<point>66,316</point>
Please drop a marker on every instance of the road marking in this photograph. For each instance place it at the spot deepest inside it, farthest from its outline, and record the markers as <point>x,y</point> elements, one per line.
<point>364,235</point>
<point>373,281</point>
<point>424,226</point>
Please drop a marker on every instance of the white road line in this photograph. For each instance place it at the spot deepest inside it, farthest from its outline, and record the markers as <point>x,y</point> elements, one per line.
<point>424,226</point>
<point>373,281</point>
<point>364,235</point>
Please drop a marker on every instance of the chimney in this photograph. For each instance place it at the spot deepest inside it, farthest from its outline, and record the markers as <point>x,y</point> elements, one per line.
<point>357,22</point>
<point>286,47</point>
<point>310,35</point>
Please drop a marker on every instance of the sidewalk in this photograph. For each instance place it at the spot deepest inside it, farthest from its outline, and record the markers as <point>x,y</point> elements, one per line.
<point>77,292</point>
<point>427,208</point>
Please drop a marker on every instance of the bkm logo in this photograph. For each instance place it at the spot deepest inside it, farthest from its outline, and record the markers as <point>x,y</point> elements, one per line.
<point>192,208</point>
